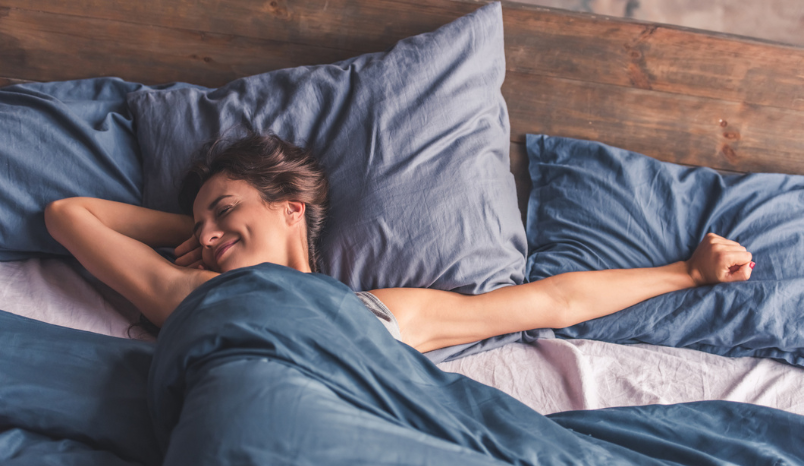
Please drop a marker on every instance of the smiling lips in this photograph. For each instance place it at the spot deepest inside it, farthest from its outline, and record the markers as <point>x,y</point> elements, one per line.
<point>223,248</point>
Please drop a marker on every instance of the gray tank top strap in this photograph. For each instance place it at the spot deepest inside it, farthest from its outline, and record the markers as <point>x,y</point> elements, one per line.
<point>382,312</point>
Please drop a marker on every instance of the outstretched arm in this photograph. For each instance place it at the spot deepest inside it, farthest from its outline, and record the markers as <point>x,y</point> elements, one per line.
<point>432,319</point>
<point>114,242</point>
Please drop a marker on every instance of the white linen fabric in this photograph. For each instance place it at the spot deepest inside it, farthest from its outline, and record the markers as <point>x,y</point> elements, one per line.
<point>562,375</point>
<point>550,375</point>
<point>61,292</point>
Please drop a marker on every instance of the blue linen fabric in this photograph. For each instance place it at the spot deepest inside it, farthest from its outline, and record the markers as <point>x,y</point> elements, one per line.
<point>73,397</point>
<point>596,207</point>
<point>415,142</point>
<point>62,139</point>
<point>19,447</point>
<point>268,365</point>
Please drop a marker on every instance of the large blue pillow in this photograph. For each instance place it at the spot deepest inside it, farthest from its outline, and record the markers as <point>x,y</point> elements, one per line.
<point>596,207</point>
<point>62,139</point>
<point>415,142</point>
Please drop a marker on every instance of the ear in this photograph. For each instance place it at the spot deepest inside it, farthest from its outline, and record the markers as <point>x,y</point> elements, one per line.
<point>294,212</point>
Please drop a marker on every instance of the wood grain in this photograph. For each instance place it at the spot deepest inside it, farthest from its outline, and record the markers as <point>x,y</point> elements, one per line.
<point>43,46</point>
<point>654,57</point>
<point>538,40</point>
<point>356,26</point>
<point>9,81</point>
<point>678,95</point>
<point>683,129</point>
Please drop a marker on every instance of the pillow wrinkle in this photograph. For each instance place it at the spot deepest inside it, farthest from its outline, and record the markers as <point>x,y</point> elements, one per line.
<point>62,139</point>
<point>589,210</point>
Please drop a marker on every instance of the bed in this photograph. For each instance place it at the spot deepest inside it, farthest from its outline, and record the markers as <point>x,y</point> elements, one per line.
<point>688,97</point>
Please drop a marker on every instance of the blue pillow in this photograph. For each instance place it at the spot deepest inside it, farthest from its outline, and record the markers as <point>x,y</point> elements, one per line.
<point>62,139</point>
<point>415,143</point>
<point>596,207</point>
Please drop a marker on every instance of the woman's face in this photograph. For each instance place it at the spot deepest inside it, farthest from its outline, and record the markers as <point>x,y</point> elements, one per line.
<point>237,228</point>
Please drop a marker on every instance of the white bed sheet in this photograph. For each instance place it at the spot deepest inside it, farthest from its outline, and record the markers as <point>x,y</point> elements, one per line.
<point>61,292</point>
<point>560,375</point>
<point>549,376</point>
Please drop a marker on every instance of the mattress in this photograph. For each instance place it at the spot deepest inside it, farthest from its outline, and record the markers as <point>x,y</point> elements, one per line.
<point>551,375</point>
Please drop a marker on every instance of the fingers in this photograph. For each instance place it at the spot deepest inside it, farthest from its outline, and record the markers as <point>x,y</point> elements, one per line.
<point>187,246</point>
<point>742,273</point>
<point>718,260</point>
<point>188,253</point>
<point>725,251</point>
<point>737,266</point>
<point>197,265</point>
<point>729,259</point>
<point>717,239</point>
<point>189,258</point>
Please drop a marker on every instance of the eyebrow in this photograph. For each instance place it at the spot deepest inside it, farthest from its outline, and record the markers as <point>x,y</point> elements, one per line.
<point>210,207</point>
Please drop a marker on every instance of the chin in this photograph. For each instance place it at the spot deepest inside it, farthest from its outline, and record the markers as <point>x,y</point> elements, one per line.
<point>230,265</point>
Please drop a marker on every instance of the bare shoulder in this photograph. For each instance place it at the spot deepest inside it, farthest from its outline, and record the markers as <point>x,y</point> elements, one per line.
<point>417,310</point>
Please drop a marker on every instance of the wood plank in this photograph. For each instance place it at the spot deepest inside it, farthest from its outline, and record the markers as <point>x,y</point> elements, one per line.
<point>9,81</point>
<point>47,47</point>
<point>665,125</point>
<point>538,40</point>
<point>652,56</point>
<point>682,129</point>
<point>358,26</point>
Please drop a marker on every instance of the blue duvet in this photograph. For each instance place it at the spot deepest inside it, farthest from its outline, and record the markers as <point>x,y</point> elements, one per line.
<point>266,365</point>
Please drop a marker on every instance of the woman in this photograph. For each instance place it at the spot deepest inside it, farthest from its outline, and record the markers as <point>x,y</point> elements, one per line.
<point>261,199</point>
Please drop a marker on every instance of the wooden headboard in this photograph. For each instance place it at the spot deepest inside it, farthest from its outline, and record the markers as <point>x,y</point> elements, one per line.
<point>679,95</point>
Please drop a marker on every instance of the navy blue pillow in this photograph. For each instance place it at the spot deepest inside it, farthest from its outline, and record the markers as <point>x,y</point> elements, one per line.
<point>62,139</point>
<point>596,207</point>
<point>415,142</point>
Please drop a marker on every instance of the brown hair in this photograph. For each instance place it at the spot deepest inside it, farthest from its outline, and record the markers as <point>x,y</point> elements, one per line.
<point>278,169</point>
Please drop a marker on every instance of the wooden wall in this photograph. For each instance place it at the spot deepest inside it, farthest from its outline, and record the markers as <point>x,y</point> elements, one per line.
<point>678,95</point>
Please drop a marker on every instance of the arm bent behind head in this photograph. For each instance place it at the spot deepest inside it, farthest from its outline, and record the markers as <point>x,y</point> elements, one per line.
<point>114,242</point>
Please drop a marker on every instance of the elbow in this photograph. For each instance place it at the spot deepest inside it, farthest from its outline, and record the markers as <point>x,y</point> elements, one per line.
<point>58,214</point>
<point>53,213</point>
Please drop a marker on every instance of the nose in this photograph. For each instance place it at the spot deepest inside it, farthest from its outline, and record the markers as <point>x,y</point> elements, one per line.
<point>208,236</point>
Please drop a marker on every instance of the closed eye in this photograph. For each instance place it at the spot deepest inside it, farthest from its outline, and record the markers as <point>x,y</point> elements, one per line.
<point>224,210</point>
